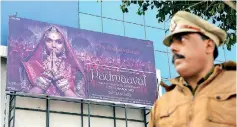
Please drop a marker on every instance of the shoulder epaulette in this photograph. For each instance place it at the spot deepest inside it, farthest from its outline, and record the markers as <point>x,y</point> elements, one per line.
<point>167,87</point>
<point>230,65</point>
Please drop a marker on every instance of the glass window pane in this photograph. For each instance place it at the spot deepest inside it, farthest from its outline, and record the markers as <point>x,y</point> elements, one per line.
<point>132,15</point>
<point>44,12</point>
<point>161,60</point>
<point>41,11</point>
<point>167,24</point>
<point>134,31</point>
<point>166,81</point>
<point>107,6</point>
<point>151,20</point>
<point>218,62</point>
<point>231,55</point>
<point>91,7</point>
<point>89,22</point>
<point>163,90</point>
<point>156,35</point>
<point>172,67</point>
<point>117,27</point>
<point>221,56</point>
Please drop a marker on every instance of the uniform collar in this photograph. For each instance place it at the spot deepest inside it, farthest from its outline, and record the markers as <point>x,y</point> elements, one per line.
<point>228,66</point>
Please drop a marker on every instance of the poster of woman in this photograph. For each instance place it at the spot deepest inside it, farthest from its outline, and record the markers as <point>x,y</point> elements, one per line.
<point>50,68</point>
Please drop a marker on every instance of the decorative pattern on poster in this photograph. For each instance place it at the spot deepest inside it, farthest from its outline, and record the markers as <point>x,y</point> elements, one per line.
<point>61,61</point>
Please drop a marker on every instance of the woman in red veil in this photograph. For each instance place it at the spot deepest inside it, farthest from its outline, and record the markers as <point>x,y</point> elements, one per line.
<point>53,69</point>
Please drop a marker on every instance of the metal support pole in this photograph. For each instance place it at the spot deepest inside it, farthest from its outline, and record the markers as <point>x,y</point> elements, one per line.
<point>123,25</point>
<point>126,117</point>
<point>12,107</point>
<point>114,116</point>
<point>9,111</point>
<point>144,114</point>
<point>101,17</point>
<point>47,112</point>
<point>144,21</point>
<point>89,125</point>
<point>78,13</point>
<point>82,113</point>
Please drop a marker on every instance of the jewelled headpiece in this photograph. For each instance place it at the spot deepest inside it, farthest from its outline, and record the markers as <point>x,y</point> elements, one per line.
<point>52,30</point>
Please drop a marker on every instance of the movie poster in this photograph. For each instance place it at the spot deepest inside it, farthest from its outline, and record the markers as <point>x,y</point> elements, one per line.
<point>55,60</point>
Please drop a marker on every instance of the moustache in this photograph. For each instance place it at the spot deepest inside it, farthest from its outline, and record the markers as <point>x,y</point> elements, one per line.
<point>177,56</point>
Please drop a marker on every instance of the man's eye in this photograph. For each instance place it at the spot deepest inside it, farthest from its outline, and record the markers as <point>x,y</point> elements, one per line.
<point>183,37</point>
<point>179,38</point>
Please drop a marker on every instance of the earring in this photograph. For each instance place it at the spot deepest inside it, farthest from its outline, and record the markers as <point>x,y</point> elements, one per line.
<point>63,54</point>
<point>44,53</point>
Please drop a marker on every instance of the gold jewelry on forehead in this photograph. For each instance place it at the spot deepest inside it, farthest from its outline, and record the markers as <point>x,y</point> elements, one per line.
<point>51,31</point>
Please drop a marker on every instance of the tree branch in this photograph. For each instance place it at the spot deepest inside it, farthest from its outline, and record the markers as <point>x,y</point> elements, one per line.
<point>194,4</point>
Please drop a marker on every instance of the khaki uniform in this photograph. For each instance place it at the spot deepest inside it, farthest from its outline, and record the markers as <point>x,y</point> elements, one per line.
<point>213,104</point>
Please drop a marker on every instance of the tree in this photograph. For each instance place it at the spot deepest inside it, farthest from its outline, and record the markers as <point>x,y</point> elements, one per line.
<point>221,13</point>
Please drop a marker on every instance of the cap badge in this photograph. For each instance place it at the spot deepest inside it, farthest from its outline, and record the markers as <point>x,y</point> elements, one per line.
<point>173,25</point>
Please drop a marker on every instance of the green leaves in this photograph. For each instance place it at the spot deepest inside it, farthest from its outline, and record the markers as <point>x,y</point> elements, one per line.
<point>219,13</point>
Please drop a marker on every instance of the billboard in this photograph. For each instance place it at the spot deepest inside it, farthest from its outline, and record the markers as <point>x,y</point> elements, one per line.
<point>55,60</point>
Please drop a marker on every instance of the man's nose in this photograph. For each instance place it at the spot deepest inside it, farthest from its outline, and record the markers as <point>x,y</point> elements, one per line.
<point>174,46</point>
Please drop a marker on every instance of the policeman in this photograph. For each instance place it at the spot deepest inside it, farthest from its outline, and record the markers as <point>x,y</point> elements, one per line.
<point>204,95</point>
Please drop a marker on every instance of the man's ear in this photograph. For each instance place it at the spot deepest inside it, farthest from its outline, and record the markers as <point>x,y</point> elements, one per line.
<point>210,46</point>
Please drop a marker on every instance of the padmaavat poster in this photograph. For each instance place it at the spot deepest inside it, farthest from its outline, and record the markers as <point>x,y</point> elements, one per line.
<point>55,60</point>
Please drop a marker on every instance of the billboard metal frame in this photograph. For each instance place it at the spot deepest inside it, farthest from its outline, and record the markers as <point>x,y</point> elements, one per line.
<point>12,108</point>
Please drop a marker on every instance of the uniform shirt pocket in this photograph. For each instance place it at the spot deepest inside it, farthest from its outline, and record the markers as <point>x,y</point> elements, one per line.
<point>166,117</point>
<point>222,108</point>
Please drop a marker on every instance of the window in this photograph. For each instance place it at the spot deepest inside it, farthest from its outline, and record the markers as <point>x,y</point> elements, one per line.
<point>41,11</point>
<point>151,20</point>
<point>132,15</point>
<point>161,61</point>
<point>107,6</point>
<point>118,28</point>
<point>221,56</point>
<point>157,36</point>
<point>218,62</point>
<point>89,22</point>
<point>57,14</point>
<point>134,31</point>
<point>230,55</point>
<point>91,7</point>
